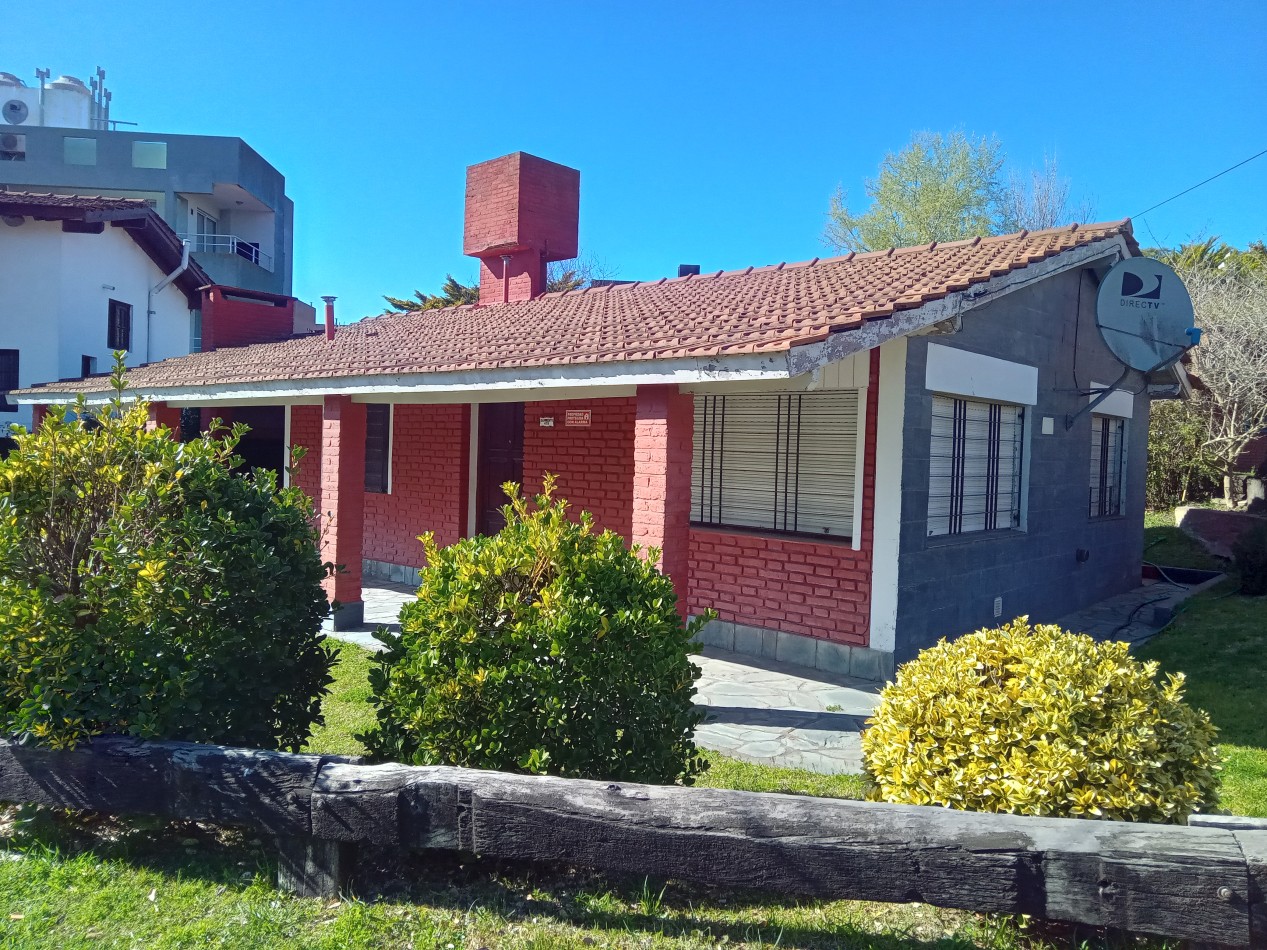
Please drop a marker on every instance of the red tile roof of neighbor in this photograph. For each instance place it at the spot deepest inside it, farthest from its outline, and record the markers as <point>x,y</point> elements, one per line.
<point>757,310</point>
<point>134,216</point>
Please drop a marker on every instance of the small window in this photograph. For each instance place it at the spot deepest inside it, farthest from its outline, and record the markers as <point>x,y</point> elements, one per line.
<point>974,478</point>
<point>195,331</point>
<point>776,462</point>
<point>378,448</point>
<point>1108,461</point>
<point>77,150</point>
<point>119,326</point>
<point>8,379</point>
<point>149,154</point>
<point>87,366</point>
<point>12,146</point>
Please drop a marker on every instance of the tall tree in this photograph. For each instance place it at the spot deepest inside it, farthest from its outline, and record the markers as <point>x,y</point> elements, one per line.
<point>938,188</point>
<point>948,187</point>
<point>1039,200</point>
<point>1230,366</point>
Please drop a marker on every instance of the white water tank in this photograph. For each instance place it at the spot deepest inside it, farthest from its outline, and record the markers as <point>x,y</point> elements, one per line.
<point>67,104</point>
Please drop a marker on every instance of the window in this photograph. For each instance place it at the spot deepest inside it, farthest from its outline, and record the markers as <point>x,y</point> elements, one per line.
<point>195,331</point>
<point>776,462</point>
<point>378,448</point>
<point>974,481</point>
<point>8,379</point>
<point>87,366</point>
<point>205,229</point>
<point>79,151</point>
<point>1108,460</point>
<point>149,154</point>
<point>119,326</point>
<point>12,147</point>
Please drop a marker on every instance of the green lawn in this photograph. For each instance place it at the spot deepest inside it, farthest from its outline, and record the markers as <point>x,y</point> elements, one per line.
<point>1166,545</point>
<point>1219,642</point>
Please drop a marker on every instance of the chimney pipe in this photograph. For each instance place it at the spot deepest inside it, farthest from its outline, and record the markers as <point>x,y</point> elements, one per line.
<point>329,316</point>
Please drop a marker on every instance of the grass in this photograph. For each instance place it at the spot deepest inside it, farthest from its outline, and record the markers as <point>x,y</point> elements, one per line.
<point>1166,545</point>
<point>1219,642</point>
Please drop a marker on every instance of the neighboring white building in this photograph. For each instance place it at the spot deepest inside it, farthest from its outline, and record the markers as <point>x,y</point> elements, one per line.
<point>81,277</point>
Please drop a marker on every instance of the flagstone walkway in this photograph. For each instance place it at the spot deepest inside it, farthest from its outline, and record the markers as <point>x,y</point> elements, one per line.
<point>774,713</point>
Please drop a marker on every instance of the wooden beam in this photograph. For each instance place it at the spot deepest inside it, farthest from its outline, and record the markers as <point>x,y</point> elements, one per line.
<point>1197,883</point>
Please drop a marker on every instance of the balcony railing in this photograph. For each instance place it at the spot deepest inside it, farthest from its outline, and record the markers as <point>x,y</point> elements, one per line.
<point>230,244</point>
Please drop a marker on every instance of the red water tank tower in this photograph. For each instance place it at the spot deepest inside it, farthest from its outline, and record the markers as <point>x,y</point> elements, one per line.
<point>521,213</point>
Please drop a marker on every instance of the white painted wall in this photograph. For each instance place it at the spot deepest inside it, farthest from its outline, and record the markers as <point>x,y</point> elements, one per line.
<point>887,520</point>
<point>55,290</point>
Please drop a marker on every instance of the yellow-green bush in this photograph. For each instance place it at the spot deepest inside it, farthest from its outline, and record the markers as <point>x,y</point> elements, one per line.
<point>1038,721</point>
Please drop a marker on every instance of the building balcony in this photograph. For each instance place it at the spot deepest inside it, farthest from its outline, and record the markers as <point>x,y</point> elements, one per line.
<point>232,246</point>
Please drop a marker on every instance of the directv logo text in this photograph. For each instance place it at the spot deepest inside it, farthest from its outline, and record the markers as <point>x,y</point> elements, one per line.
<point>1134,295</point>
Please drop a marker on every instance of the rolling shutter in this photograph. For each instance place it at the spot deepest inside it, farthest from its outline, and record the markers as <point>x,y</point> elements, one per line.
<point>378,428</point>
<point>974,478</point>
<point>776,462</point>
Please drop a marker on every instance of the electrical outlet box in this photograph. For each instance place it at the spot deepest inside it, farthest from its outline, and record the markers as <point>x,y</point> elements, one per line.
<point>998,606</point>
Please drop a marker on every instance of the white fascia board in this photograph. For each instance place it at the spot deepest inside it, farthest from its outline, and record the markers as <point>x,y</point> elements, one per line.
<point>959,372</point>
<point>807,358</point>
<point>1119,403</point>
<point>518,384</point>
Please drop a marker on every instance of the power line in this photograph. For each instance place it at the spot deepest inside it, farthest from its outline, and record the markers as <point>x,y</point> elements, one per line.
<point>1200,183</point>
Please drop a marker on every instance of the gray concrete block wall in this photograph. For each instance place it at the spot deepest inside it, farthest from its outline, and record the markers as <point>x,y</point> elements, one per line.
<point>947,585</point>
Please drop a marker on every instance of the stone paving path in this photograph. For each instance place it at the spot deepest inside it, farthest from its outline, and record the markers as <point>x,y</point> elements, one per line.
<point>774,713</point>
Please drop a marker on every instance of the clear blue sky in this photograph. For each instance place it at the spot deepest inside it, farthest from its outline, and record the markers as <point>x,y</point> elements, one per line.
<point>709,133</point>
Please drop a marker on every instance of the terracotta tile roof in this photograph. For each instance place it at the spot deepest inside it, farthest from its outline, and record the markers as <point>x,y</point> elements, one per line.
<point>756,310</point>
<point>11,199</point>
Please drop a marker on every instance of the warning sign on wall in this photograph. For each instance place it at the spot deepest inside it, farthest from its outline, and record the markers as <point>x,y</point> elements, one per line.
<point>577,417</point>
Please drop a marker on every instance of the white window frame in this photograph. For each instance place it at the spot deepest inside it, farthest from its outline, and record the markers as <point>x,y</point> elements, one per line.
<point>798,477</point>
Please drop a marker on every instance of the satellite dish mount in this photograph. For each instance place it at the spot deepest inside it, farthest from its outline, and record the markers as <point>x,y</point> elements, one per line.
<point>1145,317</point>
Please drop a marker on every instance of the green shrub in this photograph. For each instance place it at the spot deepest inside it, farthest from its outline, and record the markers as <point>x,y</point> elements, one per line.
<point>545,649</point>
<point>146,589</point>
<point>1040,722</point>
<point>1250,552</point>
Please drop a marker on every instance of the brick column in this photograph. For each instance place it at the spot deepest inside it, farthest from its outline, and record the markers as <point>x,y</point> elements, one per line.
<point>162,414</point>
<point>343,505</point>
<point>662,479</point>
<point>37,416</point>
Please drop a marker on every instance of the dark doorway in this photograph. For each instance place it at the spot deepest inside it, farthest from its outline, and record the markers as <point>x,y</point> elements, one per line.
<point>501,459</point>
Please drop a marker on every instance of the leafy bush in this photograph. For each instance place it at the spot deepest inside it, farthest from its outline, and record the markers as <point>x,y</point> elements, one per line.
<point>1037,721</point>
<point>1180,469</point>
<point>146,589</point>
<point>1250,552</point>
<point>545,649</point>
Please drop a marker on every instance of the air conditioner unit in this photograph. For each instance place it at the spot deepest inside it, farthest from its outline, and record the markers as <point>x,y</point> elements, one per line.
<point>12,147</point>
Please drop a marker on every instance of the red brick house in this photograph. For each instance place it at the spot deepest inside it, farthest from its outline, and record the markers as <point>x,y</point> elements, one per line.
<point>845,459</point>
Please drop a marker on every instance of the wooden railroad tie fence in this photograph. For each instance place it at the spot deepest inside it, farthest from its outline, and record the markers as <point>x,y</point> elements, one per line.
<point>1197,883</point>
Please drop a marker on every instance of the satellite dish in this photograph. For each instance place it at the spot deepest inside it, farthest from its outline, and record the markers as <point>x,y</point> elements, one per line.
<point>15,111</point>
<point>1145,314</point>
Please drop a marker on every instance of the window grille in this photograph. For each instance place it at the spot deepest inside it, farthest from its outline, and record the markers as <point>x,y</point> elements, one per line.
<point>1108,459</point>
<point>776,462</point>
<point>378,447</point>
<point>8,379</point>
<point>119,326</point>
<point>975,455</point>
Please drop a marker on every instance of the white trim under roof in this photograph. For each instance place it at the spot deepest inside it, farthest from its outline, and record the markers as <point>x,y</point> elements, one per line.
<point>959,372</point>
<point>1119,403</point>
<point>608,379</point>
